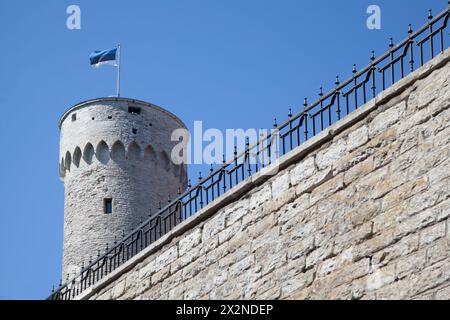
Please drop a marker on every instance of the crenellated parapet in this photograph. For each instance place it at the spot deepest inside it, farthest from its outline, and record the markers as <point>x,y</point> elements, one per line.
<point>118,154</point>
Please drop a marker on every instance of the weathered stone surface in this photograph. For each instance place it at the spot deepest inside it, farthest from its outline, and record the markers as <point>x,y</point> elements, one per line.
<point>357,138</point>
<point>327,157</point>
<point>280,185</point>
<point>303,170</point>
<point>364,215</point>
<point>386,119</point>
<point>190,241</point>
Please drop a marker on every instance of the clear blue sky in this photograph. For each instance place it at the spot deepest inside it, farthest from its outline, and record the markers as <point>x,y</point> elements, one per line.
<point>231,64</point>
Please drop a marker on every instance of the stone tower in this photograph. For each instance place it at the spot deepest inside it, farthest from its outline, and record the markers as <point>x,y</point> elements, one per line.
<point>115,165</point>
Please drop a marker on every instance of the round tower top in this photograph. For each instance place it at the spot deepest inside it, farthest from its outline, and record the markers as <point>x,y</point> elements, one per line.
<point>130,102</point>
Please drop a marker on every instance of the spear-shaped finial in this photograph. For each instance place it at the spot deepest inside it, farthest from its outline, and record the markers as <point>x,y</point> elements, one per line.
<point>337,81</point>
<point>410,30</point>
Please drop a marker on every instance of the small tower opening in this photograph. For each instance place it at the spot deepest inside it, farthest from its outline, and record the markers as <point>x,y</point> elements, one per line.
<point>107,206</point>
<point>134,110</point>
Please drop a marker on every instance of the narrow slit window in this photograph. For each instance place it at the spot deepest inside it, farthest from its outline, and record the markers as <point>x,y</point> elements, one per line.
<point>134,110</point>
<point>74,117</point>
<point>107,206</point>
<point>134,131</point>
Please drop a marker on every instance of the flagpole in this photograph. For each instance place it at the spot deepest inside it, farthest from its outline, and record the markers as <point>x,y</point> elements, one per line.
<point>118,69</point>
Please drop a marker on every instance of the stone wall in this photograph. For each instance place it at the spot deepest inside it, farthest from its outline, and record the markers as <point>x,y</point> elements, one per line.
<point>359,212</point>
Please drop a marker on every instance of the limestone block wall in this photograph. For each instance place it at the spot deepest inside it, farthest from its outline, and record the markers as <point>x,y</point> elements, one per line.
<point>359,212</point>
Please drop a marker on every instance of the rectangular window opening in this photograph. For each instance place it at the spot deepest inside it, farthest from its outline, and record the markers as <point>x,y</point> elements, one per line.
<point>74,117</point>
<point>134,110</point>
<point>107,206</point>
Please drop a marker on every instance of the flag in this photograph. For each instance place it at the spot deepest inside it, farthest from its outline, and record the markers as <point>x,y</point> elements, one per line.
<point>99,58</point>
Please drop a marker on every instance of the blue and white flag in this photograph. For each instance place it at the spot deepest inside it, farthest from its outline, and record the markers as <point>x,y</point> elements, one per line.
<point>99,58</point>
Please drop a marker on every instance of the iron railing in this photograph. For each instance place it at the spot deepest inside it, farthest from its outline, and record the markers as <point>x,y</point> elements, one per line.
<point>347,96</point>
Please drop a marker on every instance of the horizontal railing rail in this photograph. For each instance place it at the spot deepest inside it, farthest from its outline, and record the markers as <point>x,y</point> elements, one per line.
<point>382,72</point>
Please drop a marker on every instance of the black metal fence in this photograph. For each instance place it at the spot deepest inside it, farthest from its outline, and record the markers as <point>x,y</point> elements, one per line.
<point>400,60</point>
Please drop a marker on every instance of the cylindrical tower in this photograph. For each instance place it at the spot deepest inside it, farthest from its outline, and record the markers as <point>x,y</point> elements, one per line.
<point>115,165</point>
